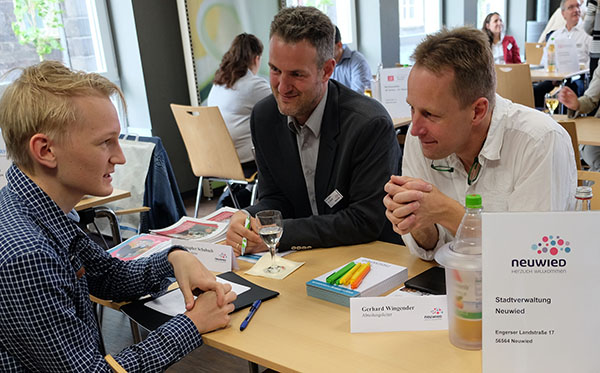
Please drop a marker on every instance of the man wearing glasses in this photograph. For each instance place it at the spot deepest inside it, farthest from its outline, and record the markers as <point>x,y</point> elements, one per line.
<point>466,139</point>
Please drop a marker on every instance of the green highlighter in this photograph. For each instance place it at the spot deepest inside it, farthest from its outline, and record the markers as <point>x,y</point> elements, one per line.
<point>332,278</point>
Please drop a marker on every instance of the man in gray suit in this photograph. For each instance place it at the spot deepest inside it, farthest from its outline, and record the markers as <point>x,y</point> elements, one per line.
<point>323,151</point>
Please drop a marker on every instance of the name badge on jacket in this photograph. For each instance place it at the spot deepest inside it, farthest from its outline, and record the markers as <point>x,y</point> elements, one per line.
<point>333,198</point>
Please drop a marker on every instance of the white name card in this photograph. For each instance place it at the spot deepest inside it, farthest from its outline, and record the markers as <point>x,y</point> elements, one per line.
<point>393,91</point>
<point>215,257</point>
<point>395,314</point>
<point>567,56</point>
<point>540,272</point>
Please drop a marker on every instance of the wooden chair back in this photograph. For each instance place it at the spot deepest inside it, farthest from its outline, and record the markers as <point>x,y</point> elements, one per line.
<point>513,81</point>
<point>595,177</point>
<point>208,142</point>
<point>572,130</point>
<point>534,53</point>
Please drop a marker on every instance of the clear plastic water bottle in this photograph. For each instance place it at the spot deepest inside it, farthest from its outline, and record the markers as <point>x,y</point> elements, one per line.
<point>462,260</point>
<point>583,195</point>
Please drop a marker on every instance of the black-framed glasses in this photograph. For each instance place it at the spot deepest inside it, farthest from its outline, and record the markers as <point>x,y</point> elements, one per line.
<point>474,171</point>
<point>442,168</point>
<point>472,176</point>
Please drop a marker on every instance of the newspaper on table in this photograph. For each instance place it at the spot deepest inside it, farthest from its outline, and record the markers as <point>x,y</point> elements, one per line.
<point>139,246</point>
<point>211,228</point>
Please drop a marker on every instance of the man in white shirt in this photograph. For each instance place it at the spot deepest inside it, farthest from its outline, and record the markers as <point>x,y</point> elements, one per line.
<point>573,31</point>
<point>557,21</point>
<point>466,139</point>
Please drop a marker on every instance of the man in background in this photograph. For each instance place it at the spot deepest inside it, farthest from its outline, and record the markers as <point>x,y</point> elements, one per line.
<point>351,67</point>
<point>465,139</point>
<point>323,151</point>
<point>62,134</point>
<point>574,33</point>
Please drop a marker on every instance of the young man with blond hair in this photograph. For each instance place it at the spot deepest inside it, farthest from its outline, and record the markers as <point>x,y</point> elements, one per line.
<point>62,133</point>
<point>465,139</point>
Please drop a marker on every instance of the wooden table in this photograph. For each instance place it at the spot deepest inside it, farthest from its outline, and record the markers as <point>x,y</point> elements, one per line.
<point>400,122</point>
<point>295,332</point>
<point>93,201</point>
<point>538,75</point>
<point>588,129</point>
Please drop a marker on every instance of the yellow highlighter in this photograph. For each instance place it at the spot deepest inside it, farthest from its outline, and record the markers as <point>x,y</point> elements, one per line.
<point>357,274</point>
<point>345,280</point>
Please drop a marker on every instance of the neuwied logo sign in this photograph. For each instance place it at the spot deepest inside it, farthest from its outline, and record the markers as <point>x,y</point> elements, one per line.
<point>435,313</point>
<point>548,255</point>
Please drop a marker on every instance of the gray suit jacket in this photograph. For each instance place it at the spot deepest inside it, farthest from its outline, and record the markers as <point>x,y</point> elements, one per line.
<point>358,152</point>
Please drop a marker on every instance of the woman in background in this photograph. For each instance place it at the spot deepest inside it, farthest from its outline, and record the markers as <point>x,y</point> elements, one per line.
<point>236,89</point>
<point>505,50</point>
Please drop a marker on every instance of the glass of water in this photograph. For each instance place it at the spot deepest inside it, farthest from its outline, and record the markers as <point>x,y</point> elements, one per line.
<point>270,229</point>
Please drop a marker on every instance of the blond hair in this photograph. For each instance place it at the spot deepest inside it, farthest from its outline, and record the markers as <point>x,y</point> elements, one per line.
<point>39,101</point>
<point>467,52</point>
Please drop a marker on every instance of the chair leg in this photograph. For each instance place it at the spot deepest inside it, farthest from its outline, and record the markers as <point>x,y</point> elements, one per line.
<point>98,308</point>
<point>254,192</point>
<point>103,211</point>
<point>198,195</point>
<point>236,204</point>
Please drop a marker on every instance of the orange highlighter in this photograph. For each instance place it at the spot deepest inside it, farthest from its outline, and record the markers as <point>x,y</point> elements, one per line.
<point>361,275</point>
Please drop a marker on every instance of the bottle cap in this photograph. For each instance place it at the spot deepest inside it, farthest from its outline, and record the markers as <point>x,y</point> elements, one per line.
<point>473,201</point>
<point>583,192</point>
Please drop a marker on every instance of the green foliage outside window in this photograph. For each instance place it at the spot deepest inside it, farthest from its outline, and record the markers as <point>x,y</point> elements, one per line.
<point>37,24</point>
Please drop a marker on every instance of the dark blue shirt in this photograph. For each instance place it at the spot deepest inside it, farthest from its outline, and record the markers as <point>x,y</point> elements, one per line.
<point>46,316</point>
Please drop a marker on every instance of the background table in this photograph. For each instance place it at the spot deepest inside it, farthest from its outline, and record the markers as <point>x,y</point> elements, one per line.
<point>93,201</point>
<point>588,129</point>
<point>295,332</point>
<point>538,75</point>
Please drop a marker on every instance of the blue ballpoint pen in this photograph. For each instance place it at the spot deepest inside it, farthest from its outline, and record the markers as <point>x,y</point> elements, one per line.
<point>253,309</point>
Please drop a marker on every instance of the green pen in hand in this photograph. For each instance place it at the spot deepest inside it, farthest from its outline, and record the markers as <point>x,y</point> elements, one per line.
<point>244,239</point>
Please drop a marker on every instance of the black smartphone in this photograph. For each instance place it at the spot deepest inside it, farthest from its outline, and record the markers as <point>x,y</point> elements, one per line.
<point>431,281</point>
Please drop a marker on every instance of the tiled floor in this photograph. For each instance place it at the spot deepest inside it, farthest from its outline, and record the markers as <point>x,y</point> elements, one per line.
<point>117,333</point>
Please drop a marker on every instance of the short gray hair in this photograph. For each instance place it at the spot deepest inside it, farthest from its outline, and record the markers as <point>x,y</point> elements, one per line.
<point>295,24</point>
<point>467,52</point>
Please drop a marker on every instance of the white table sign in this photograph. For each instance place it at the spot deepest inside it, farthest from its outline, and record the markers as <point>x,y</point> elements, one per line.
<point>540,298</point>
<point>567,57</point>
<point>215,257</point>
<point>394,314</point>
<point>393,90</point>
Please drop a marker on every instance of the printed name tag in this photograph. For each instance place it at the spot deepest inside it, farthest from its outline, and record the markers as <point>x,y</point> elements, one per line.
<point>394,314</point>
<point>333,198</point>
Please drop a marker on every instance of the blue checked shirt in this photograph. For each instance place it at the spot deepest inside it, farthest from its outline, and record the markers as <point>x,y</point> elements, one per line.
<point>353,71</point>
<point>46,317</point>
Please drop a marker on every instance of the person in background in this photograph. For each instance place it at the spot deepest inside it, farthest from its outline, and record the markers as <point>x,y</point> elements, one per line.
<point>351,67</point>
<point>591,25</point>
<point>323,151</point>
<point>574,33</point>
<point>236,89</point>
<point>557,21</point>
<point>504,49</point>
<point>465,139</point>
<point>584,105</point>
<point>62,133</point>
